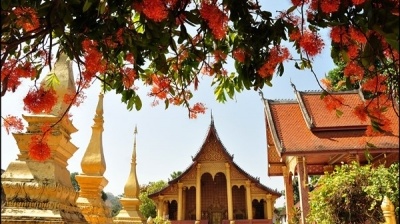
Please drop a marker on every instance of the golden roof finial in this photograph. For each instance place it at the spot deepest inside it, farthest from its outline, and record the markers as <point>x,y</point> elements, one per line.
<point>131,189</point>
<point>93,162</point>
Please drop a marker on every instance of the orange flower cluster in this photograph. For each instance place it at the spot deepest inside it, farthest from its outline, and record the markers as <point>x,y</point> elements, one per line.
<point>357,2</point>
<point>311,43</point>
<point>276,56</point>
<point>380,123</point>
<point>155,10</point>
<point>26,18</point>
<point>197,108</point>
<point>12,72</point>
<point>351,39</point>
<point>94,62</point>
<point>327,83</point>
<point>130,58</point>
<point>216,19</point>
<point>128,77</point>
<point>207,70</point>
<point>361,112</point>
<point>13,123</point>
<point>299,2</point>
<point>160,86</point>
<point>74,98</point>
<point>39,150</point>
<point>239,55</point>
<point>40,100</point>
<point>333,102</point>
<point>330,6</point>
<point>354,71</point>
<point>219,55</point>
<point>377,84</point>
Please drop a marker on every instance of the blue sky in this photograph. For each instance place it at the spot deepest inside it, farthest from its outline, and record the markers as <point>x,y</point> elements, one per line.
<point>167,139</point>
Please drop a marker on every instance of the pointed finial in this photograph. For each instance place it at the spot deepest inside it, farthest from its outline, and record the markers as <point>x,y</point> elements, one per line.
<point>294,87</point>
<point>261,94</point>
<point>212,118</point>
<point>93,162</point>
<point>134,145</point>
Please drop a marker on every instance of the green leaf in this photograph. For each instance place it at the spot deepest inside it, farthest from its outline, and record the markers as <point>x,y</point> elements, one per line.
<point>323,94</point>
<point>392,39</point>
<point>166,101</point>
<point>138,25</point>
<point>5,4</point>
<point>102,7</point>
<point>291,9</point>
<point>370,145</point>
<point>191,18</point>
<point>52,80</point>
<point>138,103</point>
<point>87,5</point>
<point>268,82</point>
<point>296,65</point>
<point>339,113</point>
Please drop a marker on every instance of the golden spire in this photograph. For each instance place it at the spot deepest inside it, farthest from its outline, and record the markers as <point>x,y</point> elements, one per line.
<point>131,189</point>
<point>93,162</point>
<point>61,79</point>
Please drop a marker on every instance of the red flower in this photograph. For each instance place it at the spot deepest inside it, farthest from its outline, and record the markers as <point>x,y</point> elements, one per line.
<point>276,55</point>
<point>311,43</point>
<point>26,18</point>
<point>216,19</point>
<point>155,10</point>
<point>239,55</point>
<point>40,100</point>
<point>330,6</point>
<point>39,149</point>
<point>13,123</point>
<point>196,109</point>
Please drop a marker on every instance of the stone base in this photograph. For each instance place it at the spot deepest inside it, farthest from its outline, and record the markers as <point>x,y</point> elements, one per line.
<point>129,217</point>
<point>30,215</point>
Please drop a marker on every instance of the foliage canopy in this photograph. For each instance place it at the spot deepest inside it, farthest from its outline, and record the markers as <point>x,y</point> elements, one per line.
<point>354,194</point>
<point>168,44</point>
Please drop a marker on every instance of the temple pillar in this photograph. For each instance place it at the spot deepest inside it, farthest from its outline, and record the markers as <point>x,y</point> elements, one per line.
<point>180,204</point>
<point>288,193</point>
<point>270,207</point>
<point>265,209</point>
<point>198,194</point>
<point>160,206</point>
<point>42,190</point>
<point>229,191</point>
<point>249,205</point>
<point>184,203</point>
<point>303,188</point>
<point>166,210</point>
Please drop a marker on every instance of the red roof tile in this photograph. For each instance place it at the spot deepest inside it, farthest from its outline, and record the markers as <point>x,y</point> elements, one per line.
<point>323,118</point>
<point>290,132</point>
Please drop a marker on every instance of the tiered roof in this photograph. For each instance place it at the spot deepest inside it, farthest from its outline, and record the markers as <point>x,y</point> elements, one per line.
<point>204,154</point>
<point>305,126</point>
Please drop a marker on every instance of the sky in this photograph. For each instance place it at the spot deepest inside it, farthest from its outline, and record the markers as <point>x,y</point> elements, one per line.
<point>167,139</point>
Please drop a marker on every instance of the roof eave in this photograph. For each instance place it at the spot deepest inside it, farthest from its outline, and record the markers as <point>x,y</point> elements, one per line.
<point>271,125</point>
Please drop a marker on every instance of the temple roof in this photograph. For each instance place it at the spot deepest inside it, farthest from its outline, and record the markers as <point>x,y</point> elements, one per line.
<point>217,153</point>
<point>288,125</point>
<point>306,126</point>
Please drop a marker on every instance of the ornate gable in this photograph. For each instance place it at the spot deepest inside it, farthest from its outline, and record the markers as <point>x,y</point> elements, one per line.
<point>212,149</point>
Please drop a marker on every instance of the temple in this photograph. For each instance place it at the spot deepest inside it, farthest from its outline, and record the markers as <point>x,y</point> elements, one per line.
<point>214,190</point>
<point>305,138</point>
